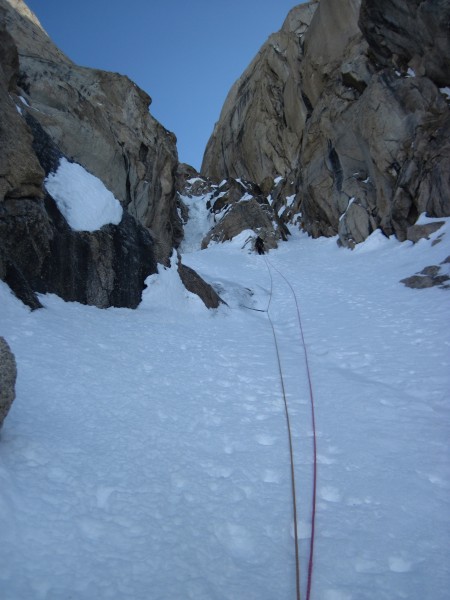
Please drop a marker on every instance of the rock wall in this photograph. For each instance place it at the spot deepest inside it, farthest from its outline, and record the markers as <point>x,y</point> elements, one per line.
<point>260,127</point>
<point>101,121</point>
<point>354,116</point>
<point>50,108</point>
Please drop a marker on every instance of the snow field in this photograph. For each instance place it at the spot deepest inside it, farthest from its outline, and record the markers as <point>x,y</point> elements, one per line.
<point>146,454</point>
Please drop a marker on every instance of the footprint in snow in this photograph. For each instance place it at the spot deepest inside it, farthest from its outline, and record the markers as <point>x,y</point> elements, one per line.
<point>103,494</point>
<point>237,540</point>
<point>271,476</point>
<point>397,564</point>
<point>265,439</point>
<point>330,494</point>
<point>363,565</point>
<point>325,460</point>
<point>337,595</point>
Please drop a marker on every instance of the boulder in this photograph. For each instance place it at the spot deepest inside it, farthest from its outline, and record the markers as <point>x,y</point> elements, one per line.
<point>355,225</point>
<point>195,284</point>
<point>431,276</point>
<point>8,375</point>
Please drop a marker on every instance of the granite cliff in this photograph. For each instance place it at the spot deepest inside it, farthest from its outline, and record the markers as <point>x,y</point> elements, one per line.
<point>51,108</point>
<point>350,105</point>
<point>341,124</point>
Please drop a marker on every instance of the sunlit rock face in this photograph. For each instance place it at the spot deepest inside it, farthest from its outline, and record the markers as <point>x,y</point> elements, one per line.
<point>260,127</point>
<point>352,111</point>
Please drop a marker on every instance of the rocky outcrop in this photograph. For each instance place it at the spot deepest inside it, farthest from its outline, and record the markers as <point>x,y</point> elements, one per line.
<point>431,276</point>
<point>222,211</point>
<point>354,117</point>
<point>422,231</point>
<point>238,206</point>
<point>21,175</point>
<point>8,374</point>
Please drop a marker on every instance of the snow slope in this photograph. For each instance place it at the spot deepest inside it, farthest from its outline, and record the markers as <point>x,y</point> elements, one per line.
<point>146,454</point>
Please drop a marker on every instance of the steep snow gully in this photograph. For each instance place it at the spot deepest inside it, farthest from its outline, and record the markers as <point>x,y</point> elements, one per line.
<point>146,454</point>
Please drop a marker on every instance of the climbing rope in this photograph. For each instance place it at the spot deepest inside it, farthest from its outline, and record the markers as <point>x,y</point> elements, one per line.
<point>269,265</point>
<point>291,450</point>
<point>313,423</point>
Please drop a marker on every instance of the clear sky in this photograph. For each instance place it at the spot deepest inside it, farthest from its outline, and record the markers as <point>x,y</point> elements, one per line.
<point>185,53</point>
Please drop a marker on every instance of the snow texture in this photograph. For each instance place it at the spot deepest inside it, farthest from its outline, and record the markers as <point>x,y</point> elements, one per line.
<point>82,198</point>
<point>146,454</point>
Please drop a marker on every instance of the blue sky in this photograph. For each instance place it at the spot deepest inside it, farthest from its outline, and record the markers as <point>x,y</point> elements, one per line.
<point>185,53</point>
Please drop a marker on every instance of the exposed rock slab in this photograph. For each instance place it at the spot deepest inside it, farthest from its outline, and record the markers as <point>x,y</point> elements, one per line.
<point>419,232</point>
<point>8,375</point>
<point>38,250</point>
<point>195,284</point>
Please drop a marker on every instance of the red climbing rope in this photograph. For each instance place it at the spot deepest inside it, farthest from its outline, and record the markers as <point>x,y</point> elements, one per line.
<point>313,424</point>
<point>291,449</point>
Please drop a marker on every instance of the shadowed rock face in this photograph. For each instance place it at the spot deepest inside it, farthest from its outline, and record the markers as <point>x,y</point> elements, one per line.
<point>362,142</point>
<point>411,34</point>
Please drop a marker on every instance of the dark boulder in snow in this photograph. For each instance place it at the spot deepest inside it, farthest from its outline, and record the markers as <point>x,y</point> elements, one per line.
<point>431,276</point>
<point>8,374</point>
<point>195,284</point>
